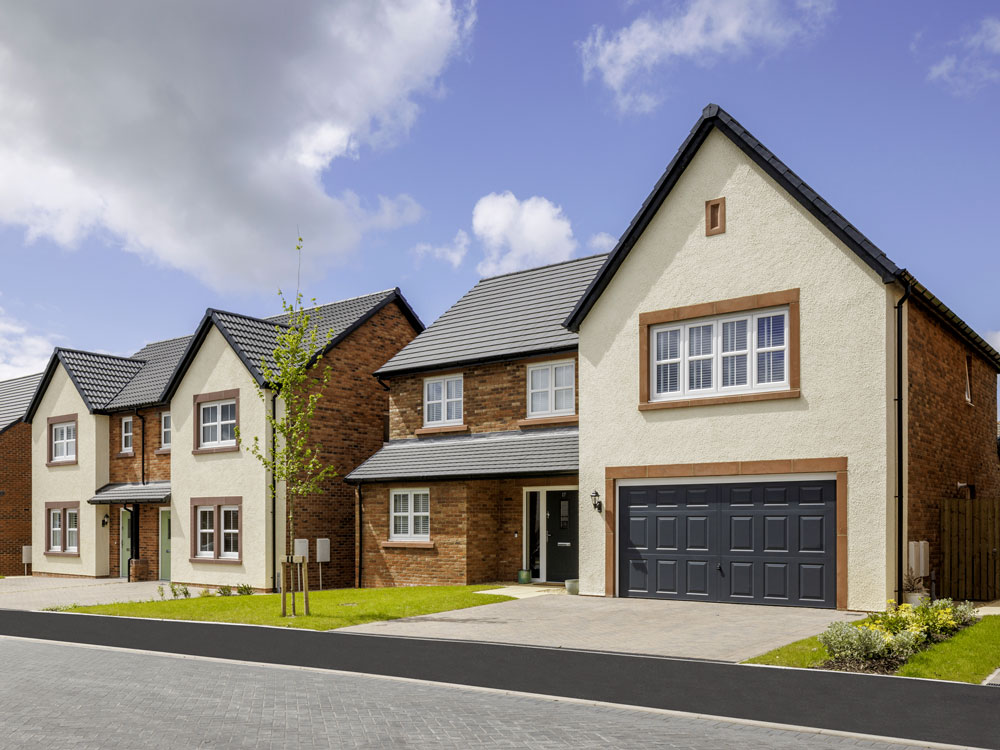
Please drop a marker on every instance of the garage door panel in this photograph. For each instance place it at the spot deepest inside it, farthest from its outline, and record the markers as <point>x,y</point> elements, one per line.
<point>697,580</point>
<point>741,536</point>
<point>638,532</point>
<point>667,577</point>
<point>668,497</point>
<point>697,536</point>
<point>741,582</point>
<point>667,533</point>
<point>812,534</point>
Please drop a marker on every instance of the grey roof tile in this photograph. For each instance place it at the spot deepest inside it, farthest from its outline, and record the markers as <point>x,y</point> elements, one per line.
<point>99,377</point>
<point>15,395</point>
<point>128,492</point>
<point>537,451</point>
<point>159,358</point>
<point>503,316</point>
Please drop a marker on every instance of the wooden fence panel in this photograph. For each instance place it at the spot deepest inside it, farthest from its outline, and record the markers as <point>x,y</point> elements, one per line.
<point>970,548</point>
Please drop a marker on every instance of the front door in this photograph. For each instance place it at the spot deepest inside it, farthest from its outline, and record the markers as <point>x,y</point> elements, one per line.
<point>125,548</point>
<point>164,545</point>
<point>562,553</point>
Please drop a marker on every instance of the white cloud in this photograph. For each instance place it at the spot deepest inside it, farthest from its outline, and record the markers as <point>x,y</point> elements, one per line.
<point>520,234</point>
<point>196,134</point>
<point>22,352</point>
<point>602,242</point>
<point>453,254</point>
<point>702,31</point>
<point>976,63</point>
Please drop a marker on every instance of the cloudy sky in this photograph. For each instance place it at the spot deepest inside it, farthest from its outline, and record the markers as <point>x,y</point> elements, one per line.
<point>157,159</point>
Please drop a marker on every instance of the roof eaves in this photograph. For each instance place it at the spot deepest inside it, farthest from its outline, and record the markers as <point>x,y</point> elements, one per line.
<point>449,364</point>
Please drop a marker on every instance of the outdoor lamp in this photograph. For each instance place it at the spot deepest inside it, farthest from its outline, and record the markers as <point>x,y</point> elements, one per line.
<point>104,521</point>
<point>595,498</point>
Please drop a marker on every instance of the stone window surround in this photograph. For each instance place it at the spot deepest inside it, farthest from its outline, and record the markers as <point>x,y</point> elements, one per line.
<point>218,503</point>
<point>63,419</point>
<point>232,394</point>
<point>63,506</point>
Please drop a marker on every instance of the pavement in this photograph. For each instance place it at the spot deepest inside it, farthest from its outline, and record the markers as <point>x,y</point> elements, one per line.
<point>40,592</point>
<point>60,695</point>
<point>694,630</point>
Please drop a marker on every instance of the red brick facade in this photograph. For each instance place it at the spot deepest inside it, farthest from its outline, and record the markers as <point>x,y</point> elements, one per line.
<point>494,396</point>
<point>149,542</point>
<point>124,468</point>
<point>476,529</point>
<point>349,424</point>
<point>950,439</point>
<point>15,497</point>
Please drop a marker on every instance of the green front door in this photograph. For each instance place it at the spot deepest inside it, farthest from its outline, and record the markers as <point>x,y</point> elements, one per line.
<point>164,545</point>
<point>125,524</point>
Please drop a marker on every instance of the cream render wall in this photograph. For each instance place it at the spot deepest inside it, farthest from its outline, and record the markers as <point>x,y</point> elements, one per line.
<point>216,367</point>
<point>771,244</point>
<point>72,483</point>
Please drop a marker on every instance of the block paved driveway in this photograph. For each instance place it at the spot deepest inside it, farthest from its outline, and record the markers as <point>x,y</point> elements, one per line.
<point>57,695</point>
<point>39,592</point>
<point>697,630</point>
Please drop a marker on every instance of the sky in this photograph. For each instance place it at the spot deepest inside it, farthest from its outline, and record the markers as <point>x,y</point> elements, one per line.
<point>159,159</point>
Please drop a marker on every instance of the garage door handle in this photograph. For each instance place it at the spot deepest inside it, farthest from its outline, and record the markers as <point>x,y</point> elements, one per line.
<point>718,567</point>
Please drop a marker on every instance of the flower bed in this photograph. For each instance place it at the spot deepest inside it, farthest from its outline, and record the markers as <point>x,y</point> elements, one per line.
<point>883,641</point>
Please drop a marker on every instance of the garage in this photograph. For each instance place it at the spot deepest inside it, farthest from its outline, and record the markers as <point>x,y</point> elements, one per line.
<point>759,542</point>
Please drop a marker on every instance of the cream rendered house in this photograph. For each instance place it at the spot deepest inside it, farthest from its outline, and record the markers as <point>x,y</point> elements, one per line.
<point>738,369</point>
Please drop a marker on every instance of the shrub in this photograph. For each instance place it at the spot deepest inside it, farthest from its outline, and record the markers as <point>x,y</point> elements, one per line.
<point>205,592</point>
<point>225,590</point>
<point>244,589</point>
<point>965,613</point>
<point>844,641</point>
<point>159,590</point>
<point>175,590</point>
<point>904,644</point>
<point>184,591</point>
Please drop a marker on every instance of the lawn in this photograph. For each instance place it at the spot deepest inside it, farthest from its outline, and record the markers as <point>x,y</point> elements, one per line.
<point>336,608</point>
<point>969,656</point>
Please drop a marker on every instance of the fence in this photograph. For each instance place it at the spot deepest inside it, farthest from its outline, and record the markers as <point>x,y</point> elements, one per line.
<point>970,548</point>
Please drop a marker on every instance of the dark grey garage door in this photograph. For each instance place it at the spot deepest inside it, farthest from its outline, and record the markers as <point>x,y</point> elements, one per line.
<point>759,543</point>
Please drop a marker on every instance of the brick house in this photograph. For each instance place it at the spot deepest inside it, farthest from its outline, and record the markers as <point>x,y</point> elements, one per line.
<point>125,457</point>
<point>15,472</point>
<point>478,478</point>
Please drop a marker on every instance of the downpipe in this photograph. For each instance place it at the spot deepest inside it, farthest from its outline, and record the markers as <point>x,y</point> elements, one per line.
<point>899,439</point>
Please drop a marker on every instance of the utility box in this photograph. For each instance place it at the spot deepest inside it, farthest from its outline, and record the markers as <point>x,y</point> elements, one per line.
<point>323,550</point>
<point>920,559</point>
<point>26,555</point>
<point>301,549</point>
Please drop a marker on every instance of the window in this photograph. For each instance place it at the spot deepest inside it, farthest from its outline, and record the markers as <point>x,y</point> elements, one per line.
<point>720,356</point>
<point>64,442</point>
<point>165,430</point>
<point>715,216</point>
<point>126,434</point>
<point>551,389</point>
<point>55,530</point>
<point>72,530</point>
<point>215,529</point>
<point>968,379</point>
<point>230,532</point>
<point>62,528</point>
<point>218,424</point>
<point>206,531</point>
<point>410,515</point>
<point>443,401</point>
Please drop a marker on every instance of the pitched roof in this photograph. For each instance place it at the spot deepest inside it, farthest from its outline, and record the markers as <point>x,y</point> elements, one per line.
<point>98,377</point>
<point>254,339</point>
<point>532,452</point>
<point>15,395</point>
<point>146,388</point>
<point>516,314</point>
<point>132,492</point>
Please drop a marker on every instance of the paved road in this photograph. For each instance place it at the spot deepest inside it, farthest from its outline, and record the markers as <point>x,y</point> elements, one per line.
<point>84,697</point>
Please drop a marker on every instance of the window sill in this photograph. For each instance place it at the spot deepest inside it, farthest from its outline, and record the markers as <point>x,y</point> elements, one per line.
<point>125,454</point>
<point>216,560</point>
<point>61,463</point>
<point>441,430</point>
<point>161,452</point>
<point>712,400</point>
<point>394,543</point>
<point>548,421</point>
<point>48,553</point>
<point>215,449</point>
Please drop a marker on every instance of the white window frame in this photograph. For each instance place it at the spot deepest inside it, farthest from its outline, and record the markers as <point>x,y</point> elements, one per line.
<point>219,422</point>
<point>75,528</point>
<point>753,384</point>
<point>56,525</point>
<point>66,442</point>
<point>127,433</point>
<point>166,429</point>
<point>443,380</point>
<point>551,389</point>
<point>200,530</point>
<point>222,532</point>
<point>409,514</point>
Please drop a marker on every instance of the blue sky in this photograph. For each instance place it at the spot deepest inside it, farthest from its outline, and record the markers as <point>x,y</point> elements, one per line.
<point>159,161</point>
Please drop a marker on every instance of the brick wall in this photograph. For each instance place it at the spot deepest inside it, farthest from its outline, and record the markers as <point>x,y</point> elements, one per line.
<point>149,541</point>
<point>950,441</point>
<point>15,500</point>
<point>476,528</point>
<point>494,398</point>
<point>349,424</point>
<point>129,468</point>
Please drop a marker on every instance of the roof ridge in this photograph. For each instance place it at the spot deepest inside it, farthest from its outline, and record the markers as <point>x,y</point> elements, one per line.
<point>539,268</point>
<point>165,341</point>
<point>215,311</point>
<point>99,354</point>
<point>340,301</point>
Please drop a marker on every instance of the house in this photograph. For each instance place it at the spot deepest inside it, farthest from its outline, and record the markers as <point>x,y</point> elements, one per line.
<point>741,351</point>
<point>134,458</point>
<point>479,477</point>
<point>15,472</point>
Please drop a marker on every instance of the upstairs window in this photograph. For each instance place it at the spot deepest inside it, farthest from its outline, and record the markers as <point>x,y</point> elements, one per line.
<point>126,434</point>
<point>410,515</point>
<point>64,441</point>
<point>165,430</point>
<point>551,389</point>
<point>218,424</point>
<point>443,401</point>
<point>968,380</point>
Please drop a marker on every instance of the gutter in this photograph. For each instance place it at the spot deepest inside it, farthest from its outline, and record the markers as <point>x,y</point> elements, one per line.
<point>899,435</point>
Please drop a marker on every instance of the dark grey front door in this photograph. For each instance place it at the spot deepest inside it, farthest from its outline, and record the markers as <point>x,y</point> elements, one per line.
<point>754,542</point>
<point>562,553</point>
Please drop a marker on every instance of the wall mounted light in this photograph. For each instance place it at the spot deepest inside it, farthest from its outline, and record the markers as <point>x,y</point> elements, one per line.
<point>595,498</point>
<point>105,520</point>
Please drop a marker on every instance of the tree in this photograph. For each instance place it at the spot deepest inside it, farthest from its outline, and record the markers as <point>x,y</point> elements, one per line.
<point>298,376</point>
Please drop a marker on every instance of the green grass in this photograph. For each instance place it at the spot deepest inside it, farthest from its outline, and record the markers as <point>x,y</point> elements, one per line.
<point>969,656</point>
<point>337,608</point>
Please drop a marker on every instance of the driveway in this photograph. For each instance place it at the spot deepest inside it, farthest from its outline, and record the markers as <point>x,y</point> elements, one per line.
<point>697,630</point>
<point>38,592</point>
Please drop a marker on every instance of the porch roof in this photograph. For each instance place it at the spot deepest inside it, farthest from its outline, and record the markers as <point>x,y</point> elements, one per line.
<point>129,492</point>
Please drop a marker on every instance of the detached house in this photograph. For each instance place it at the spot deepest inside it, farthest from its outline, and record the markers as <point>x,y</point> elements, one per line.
<point>15,472</point>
